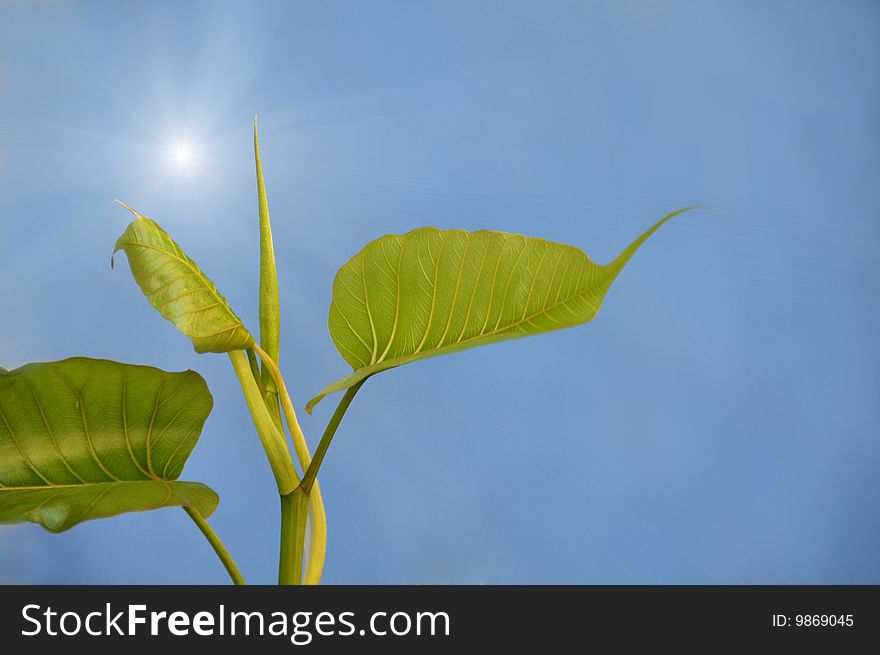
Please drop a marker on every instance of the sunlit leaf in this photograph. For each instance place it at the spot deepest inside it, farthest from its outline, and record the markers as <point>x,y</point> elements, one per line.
<point>178,289</point>
<point>86,438</point>
<point>430,292</point>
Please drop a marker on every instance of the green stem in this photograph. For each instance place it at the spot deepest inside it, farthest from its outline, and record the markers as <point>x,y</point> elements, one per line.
<point>318,543</point>
<point>271,400</point>
<point>294,512</point>
<point>273,440</point>
<point>255,367</point>
<point>318,516</point>
<point>299,439</point>
<point>217,545</point>
<point>312,472</point>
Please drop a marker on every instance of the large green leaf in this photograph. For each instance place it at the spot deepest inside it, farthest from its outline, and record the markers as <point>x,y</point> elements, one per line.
<point>429,292</point>
<point>175,286</point>
<point>86,438</point>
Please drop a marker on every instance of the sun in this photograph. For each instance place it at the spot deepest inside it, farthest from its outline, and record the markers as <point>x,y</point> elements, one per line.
<point>182,155</point>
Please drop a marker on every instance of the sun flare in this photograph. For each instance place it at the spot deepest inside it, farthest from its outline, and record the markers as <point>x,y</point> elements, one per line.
<point>182,155</point>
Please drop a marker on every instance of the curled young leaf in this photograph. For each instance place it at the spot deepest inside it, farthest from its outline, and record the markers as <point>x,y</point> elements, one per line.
<point>430,292</point>
<point>178,289</point>
<point>270,307</point>
<point>83,439</point>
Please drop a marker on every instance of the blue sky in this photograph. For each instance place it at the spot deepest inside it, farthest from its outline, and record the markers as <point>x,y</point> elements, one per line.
<point>717,422</point>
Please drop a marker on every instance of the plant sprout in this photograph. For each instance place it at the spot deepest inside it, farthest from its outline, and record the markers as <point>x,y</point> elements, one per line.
<point>83,439</point>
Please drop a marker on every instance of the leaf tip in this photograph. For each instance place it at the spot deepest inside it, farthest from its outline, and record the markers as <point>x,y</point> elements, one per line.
<point>129,208</point>
<point>119,242</point>
<point>310,406</point>
<point>627,254</point>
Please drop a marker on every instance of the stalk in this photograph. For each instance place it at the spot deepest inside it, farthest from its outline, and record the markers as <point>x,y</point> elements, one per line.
<point>318,516</point>
<point>294,512</point>
<point>312,472</point>
<point>273,440</point>
<point>217,545</point>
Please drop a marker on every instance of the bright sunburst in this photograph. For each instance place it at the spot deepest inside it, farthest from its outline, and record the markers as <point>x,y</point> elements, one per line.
<point>182,155</point>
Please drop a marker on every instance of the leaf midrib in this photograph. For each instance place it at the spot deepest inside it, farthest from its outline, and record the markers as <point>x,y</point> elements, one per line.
<point>494,332</point>
<point>455,346</point>
<point>497,329</point>
<point>212,290</point>
<point>87,484</point>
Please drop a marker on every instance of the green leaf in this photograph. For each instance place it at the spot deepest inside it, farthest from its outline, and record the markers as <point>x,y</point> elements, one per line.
<point>83,439</point>
<point>178,289</point>
<point>270,308</point>
<point>430,292</point>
